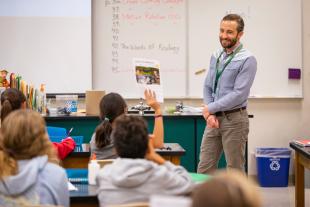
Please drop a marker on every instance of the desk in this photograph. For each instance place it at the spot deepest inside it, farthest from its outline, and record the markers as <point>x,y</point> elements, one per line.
<point>302,160</point>
<point>81,159</point>
<point>85,196</point>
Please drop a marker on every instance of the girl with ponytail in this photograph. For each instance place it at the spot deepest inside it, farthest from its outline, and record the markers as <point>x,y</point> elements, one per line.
<point>112,106</point>
<point>11,99</point>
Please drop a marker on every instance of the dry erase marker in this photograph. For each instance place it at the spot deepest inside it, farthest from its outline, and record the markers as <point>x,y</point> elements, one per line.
<point>200,71</point>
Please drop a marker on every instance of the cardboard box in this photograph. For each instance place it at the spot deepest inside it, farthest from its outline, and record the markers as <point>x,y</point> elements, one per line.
<point>92,100</point>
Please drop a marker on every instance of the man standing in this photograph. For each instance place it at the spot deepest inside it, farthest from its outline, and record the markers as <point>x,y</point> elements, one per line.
<point>226,90</point>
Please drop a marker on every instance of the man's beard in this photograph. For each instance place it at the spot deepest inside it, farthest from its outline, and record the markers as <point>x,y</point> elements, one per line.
<point>232,43</point>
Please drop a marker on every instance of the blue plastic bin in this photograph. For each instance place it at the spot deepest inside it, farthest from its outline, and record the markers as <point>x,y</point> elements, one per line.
<point>77,175</point>
<point>273,166</point>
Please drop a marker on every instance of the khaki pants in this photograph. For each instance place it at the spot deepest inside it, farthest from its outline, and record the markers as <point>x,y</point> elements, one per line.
<point>231,137</point>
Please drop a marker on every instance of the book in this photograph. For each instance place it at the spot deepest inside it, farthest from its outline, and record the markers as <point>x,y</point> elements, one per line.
<point>303,142</point>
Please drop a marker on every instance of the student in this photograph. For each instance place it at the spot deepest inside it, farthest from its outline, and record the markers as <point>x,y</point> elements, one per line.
<point>111,106</point>
<point>29,175</point>
<point>13,99</point>
<point>139,172</point>
<point>227,189</point>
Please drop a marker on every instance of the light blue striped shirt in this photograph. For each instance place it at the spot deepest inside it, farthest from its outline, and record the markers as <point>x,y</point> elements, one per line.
<point>234,85</point>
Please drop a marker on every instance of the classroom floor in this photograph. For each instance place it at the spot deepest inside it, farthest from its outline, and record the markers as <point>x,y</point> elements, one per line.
<point>282,197</point>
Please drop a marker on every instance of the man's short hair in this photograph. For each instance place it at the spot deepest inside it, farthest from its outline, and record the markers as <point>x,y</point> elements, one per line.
<point>237,18</point>
<point>130,136</point>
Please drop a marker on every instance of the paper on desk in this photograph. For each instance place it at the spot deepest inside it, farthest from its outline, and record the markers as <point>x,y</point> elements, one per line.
<point>71,187</point>
<point>148,76</point>
<point>168,201</point>
<point>192,109</point>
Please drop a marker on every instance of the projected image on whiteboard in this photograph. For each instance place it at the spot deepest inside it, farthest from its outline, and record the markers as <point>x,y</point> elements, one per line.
<point>48,42</point>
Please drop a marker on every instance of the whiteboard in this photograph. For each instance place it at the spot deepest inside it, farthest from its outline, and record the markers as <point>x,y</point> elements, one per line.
<point>272,33</point>
<point>130,29</point>
<point>49,42</point>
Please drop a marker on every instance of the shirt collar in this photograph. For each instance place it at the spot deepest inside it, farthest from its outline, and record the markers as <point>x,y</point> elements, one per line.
<point>235,47</point>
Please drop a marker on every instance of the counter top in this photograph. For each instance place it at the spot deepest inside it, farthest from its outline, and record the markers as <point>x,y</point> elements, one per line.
<point>80,116</point>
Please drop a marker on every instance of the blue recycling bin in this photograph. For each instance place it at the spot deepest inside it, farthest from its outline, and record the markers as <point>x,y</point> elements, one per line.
<point>273,166</point>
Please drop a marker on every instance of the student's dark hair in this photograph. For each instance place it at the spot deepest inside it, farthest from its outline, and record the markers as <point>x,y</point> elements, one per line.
<point>11,99</point>
<point>237,18</point>
<point>111,106</point>
<point>130,136</point>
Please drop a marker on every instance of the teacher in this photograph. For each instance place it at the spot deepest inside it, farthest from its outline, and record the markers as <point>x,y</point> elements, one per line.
<point>226,90</point>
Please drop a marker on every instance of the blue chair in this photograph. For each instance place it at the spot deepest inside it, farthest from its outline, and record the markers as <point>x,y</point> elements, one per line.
<point>56,131</point>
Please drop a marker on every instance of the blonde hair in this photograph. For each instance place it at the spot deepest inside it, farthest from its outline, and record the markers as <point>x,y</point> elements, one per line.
<point>23,136</point>
<point>228,188</point>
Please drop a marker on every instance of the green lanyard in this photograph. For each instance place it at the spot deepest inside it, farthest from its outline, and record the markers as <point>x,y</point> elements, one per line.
<point>219,71</point>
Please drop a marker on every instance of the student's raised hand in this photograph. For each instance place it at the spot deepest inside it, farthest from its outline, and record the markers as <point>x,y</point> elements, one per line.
<point>150,99</point>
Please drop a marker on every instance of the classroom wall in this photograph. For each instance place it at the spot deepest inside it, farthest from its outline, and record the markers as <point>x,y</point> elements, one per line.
<point>276,121</point>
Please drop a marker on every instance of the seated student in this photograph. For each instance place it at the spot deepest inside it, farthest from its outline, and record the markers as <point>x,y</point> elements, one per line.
<point>227,189</point>
<point>13,99</point>
<point>28,174</point>
<point>111,106</point>
<point>139,172</point>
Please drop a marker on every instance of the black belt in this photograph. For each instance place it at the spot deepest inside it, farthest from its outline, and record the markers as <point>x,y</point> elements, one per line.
<point>221,113</point>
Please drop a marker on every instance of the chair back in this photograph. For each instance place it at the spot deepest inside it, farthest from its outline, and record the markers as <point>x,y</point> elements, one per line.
<point>56,131</point>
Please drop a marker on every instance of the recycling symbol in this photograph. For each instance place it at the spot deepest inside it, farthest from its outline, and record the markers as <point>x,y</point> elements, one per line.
<point>274,165</point>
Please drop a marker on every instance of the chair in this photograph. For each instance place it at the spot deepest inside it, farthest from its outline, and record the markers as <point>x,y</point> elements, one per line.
<point>56,131</point>
<point>78,141</point>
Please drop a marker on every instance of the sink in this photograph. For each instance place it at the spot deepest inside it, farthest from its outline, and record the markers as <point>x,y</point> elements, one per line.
<point>132,111</point>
